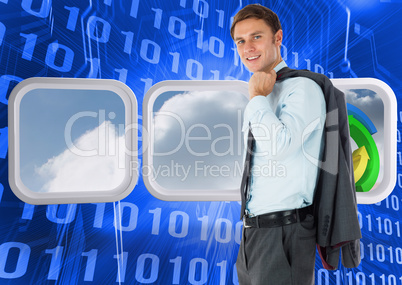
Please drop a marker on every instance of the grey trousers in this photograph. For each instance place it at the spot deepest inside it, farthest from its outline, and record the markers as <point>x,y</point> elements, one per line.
<point>278,256</point>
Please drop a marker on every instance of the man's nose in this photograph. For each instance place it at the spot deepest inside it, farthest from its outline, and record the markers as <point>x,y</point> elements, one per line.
<point>248,47</point>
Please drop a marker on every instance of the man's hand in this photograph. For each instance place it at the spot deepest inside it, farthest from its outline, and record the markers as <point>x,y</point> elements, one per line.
<point>261,83</point>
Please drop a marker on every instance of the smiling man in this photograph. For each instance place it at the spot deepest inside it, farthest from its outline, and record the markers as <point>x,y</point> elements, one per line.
<point>286,119</point>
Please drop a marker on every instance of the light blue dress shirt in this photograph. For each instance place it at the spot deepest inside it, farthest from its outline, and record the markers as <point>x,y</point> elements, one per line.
<point>288,129</point>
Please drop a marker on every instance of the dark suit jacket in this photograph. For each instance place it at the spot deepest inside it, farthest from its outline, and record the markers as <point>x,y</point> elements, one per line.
<point>335,206</point>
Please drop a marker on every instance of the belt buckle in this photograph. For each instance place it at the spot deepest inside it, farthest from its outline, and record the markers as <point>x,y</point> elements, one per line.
<point>244,224</point>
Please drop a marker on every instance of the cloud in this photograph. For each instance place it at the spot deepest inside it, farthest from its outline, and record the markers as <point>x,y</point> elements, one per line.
<point>94,163</point>
<point>198,140</point>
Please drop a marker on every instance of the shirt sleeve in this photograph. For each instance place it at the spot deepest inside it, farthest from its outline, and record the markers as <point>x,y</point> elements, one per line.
<point>282,131</point>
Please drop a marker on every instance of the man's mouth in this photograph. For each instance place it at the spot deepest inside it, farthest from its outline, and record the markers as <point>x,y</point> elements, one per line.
<point>253,57</point>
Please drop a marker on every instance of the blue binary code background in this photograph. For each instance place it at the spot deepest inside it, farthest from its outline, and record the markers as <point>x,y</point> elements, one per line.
<point>140,43</point>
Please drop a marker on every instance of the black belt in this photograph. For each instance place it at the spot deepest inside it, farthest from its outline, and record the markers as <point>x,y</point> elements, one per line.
<point>277,219</point>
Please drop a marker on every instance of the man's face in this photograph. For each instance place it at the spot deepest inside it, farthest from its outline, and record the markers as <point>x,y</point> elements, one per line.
<point>258,47</point>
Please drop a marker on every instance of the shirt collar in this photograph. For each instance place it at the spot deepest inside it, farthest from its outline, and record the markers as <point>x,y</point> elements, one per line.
<point>280,65</point>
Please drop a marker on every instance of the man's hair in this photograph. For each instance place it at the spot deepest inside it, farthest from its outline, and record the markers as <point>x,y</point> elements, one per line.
<point>259,12</point>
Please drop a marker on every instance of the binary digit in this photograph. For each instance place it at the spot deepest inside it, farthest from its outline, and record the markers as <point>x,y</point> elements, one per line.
<point>318,69</point>
<point>53,211</point>
<point>338,277</point>
<point>204,227</point>
<point>284,52</point>
<point>134,8</point>
<point>360,218</point>
<point>398,230</point>
<point>398,255</point>
<point>372,277</point>
<point>28,211</point>
<point>176,269</point>
<point>221,16</point>
<point>370,246</point>
<point>55,262</point>
<point>139,272</point>
<point>1,191</point>
<point>20,269</point>
<point>158,18</point>
<point>323,273</point>
<point>201,8</point>
<point>222,272</point>
<point>224,237</point>
<point>122,74</point>
<point>156,221</point>
<point>238,230</point>
<point>349,275</point>
<point>90,264</point>
<point>2,32</point>
<point>236,57</point>
<point>360,278</point>
<point>5,82</point>
<point>121,266</point>
<point>194,69</point>
<point>3,142</point>
<point>99,214</point>
<point>382,277</point>
<point>132,220</point>
<point>234,276</point>
<point>128,43</point>
<point>179,233</point>
<point>391,254</point>
<point>215,74</point>
<point>175,63</point>
<point>400,180</point>
<point>98,29</point>
<point>308,64</point>
<point>391,279</point>
<point>388,226</point>
<point>148,83</point>
<point>150,51</point>
<point>380,252</point>
<point>55,49</point>
<point>94,70</point>
<point>200,38</point>
<point>181,34</point>
<point>395,202</point>
<point>296,59</point>
<point>215,42</point>
<point>30,42</point>
<point>72,17</point>
<point>43,11</point>
<point>369,222</point>
<point>203,265</point>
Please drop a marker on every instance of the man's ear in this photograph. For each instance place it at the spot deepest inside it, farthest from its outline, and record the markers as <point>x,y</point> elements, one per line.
<point>278,37</point>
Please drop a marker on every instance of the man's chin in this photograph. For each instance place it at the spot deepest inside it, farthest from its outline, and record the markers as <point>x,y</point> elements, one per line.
<point>253,69</point>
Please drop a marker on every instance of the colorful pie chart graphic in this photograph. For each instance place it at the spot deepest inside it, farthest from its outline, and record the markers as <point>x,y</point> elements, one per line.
<point>366,159</point>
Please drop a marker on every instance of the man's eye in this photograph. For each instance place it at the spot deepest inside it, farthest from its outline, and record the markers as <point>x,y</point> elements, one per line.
<point>257,37</point>
<point>240,42</point>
